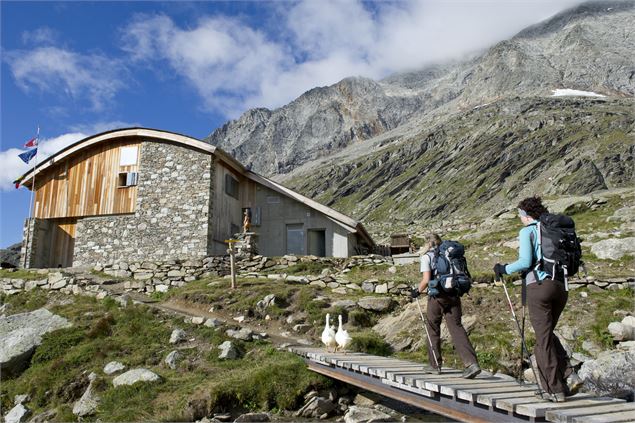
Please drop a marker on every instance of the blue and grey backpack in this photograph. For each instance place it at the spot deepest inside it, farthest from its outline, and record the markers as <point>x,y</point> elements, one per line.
<point>449,270</point>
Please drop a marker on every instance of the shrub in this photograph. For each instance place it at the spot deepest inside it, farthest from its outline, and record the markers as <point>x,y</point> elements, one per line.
<point>370,343</point>
<point>56,344</point>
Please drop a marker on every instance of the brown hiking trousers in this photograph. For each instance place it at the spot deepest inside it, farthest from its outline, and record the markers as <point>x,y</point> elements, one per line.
<point>545,302</point>
<point>450,307</point>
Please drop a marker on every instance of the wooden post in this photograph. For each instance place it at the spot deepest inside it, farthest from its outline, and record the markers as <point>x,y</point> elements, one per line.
<point>232,262</point>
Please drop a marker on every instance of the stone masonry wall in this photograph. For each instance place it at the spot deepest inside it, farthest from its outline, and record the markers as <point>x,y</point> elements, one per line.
<point>38,234</point>
<point>172,213</point>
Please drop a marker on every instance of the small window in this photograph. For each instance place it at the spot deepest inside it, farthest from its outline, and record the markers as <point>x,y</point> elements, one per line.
<point>127,179</point>
<point>231,186</point>
<point>128,156</point>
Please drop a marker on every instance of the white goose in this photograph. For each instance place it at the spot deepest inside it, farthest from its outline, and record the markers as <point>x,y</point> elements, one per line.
<point>342,337</point>
<point>328,334</point>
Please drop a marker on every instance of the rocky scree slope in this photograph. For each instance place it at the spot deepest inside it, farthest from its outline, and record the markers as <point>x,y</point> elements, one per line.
<point>479,162</point>
<point>587,48</point>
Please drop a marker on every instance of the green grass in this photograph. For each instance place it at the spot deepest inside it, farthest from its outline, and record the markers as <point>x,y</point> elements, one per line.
<point>21,274</point>
<point>605,305</point>
<point>370,343</point>
<point>306,268</point>
<point>264,379</point>
<point>23,302</point>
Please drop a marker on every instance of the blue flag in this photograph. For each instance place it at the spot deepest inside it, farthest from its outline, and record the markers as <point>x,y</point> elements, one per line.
<point>28,155</point>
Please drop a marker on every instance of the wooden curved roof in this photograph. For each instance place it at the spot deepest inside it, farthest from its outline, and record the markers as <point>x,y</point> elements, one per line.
<point>105,137</point>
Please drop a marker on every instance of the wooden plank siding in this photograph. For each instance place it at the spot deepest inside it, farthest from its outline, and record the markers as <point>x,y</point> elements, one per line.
<point>86,184</point>
<point>62,242</point>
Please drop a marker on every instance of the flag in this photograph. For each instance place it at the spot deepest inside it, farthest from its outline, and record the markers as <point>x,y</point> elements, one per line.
<point>17,185</point>
<point>31,143</point>
<point>28,155</point>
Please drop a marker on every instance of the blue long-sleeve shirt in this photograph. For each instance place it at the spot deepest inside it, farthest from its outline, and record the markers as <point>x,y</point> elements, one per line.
<point>528,252</point>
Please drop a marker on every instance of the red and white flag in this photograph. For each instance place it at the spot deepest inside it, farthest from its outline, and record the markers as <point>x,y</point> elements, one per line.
<point>31,143</point>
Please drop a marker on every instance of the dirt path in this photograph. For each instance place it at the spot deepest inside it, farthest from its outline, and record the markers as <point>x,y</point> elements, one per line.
<point>275,333</point>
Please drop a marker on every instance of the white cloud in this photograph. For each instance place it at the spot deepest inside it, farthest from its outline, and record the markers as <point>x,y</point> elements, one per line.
<point>92,77</point>
<point>233,66</point>
<point>12,167</point>
<point>42,35</point>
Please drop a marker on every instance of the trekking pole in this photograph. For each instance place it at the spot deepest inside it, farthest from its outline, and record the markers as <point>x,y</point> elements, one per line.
<point>522,339</point>
<point>425,326</point>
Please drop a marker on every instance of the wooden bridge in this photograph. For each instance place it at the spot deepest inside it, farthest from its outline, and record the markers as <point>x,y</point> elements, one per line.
<point>487,398</point>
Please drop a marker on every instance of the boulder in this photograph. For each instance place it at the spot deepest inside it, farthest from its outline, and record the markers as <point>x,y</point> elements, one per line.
<point>610,374</point>
<point>17,414</point>
<point>135,375</point>
<point>178,335</point>
<point>345,304</point>
<point>228,351</point>
<point>298,279</point>
<point>621,332</point>
<point>614,248</point>
<point>368,286</point>
<point>253,417</point>
<point>381,288</point>
<point>212,323</point>
<point>89,402</point>
<point>375,303</point>
<point>357,414</point>
<point>113,367</point>
<point>172,359</point>
<point>316,407</point>
<point>198,320</point>
<point>268,301</point>
<point>21,333</point>
<point>243,334</point>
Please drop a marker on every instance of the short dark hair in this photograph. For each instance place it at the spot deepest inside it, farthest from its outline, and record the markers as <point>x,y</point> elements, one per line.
<point>533,206</point>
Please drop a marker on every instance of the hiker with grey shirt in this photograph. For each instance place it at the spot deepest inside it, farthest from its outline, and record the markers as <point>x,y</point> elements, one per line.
<point>442,304</point>
<point>546,299</point>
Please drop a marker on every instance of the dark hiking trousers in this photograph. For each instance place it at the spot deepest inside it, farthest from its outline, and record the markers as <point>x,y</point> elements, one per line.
<point>450,307</point>
<point>545,302</point>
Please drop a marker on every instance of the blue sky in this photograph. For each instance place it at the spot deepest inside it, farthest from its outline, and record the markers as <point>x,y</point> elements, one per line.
<point>79,68</point>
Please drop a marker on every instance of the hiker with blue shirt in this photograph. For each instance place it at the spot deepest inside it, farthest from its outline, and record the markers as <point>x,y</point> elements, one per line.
<point>546,299</point>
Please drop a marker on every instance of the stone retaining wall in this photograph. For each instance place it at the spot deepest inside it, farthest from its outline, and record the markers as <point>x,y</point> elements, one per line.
<point>151,276</point>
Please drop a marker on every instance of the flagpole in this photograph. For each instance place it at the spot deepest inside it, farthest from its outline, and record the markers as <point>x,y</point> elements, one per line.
<point>28,228</point>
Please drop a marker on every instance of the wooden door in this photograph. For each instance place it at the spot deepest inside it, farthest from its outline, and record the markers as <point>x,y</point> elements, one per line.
<point>62,242</point>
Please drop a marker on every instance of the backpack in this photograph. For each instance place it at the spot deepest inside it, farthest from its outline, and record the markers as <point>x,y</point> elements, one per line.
<point>559,246</point>
<point>449,269</point>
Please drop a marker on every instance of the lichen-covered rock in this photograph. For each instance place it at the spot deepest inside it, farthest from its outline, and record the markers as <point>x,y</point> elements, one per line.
<point>316,407</point>
<point>17,414</point>
<point>172,359</point>
<point>21,333</point>
<point>228,351</point>
<point>89,401</point>
<point>375,303</point>
<point>614,248</point>
<point>178,335</point>
<point>357,414</point>
<point>135,375</point>
<point>244,334</point>
<point>253,417</point>
<point>610,374</point>
<point>113,367</point>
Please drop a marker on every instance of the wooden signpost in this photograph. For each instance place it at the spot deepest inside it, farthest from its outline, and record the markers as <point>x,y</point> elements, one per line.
<point>232,260</point>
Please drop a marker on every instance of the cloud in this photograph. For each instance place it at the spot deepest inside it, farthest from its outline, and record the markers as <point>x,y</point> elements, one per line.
<point>11,166</point>
<point>233,66</point>
<point>91,77</point>
<point>40,36</point>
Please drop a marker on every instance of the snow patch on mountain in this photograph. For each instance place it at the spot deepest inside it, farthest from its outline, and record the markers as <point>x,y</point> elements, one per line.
<point>562,92</point>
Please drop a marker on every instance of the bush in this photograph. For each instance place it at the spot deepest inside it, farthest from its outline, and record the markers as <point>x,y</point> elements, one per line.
<point>56,344</point>
<point>370,343</point>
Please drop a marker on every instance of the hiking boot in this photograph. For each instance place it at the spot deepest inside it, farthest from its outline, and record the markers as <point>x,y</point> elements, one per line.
<point>471,371</point>
<point>574,383</point>
<point>557,397</point>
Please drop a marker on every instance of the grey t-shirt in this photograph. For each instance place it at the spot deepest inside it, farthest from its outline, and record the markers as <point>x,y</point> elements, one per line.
<point>426,263</point>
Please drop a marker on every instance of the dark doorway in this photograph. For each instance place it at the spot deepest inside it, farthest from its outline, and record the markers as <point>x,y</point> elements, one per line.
<point>317,242</point>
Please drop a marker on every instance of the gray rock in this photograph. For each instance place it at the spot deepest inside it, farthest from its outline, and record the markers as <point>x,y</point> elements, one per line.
<point>368,286</point>
<point>178,335</point>
<point>45,417</point>
<point>357,414</point>
<point>266,302</point>
<point>172,359</point>
<point>253,417</point>
<point>298,279</point>
<point>21,399</point>
<point>17,414</point>
<point>316,407</point>
<point>244,334</point>
<point>614,248</point>
<point>88,403</point>
<point>135,375</point>
<point>113,367</point>
<point>212,323</point>
<point>228,351</point>
<point>381,288</point>
<point>198,320</point>
<point>346,304</point>
<point>610,374</point>
<point>591,348</point>
<point>375,303</point>
<point>21,333</point>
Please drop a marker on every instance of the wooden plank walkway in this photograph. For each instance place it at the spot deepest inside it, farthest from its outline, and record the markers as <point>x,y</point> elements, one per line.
<point>487,398</point>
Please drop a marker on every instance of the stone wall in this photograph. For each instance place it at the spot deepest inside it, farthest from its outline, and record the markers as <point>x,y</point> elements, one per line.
<point>38,233</point>
<point>172,212</point>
